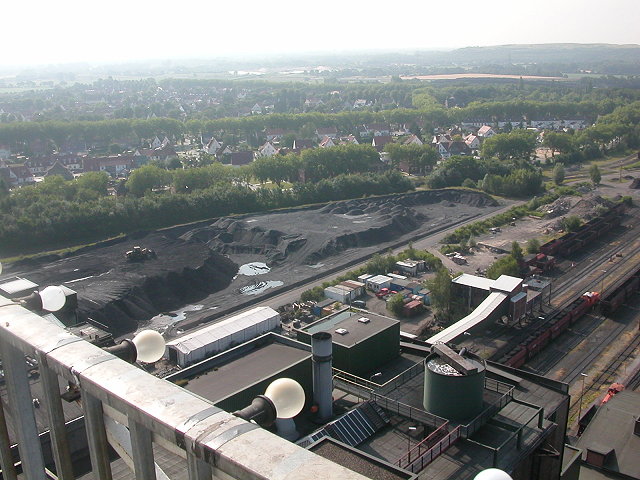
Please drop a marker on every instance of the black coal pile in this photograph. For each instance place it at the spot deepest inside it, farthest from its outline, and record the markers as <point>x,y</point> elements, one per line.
<point>118,292</point>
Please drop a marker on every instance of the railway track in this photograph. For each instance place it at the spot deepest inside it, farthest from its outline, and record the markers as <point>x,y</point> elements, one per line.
<point>605,377</point>
<point>582,279</point>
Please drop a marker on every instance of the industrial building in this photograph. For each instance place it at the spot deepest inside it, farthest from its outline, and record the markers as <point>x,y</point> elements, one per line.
<point>501,298</point>
<point>205,342</point>
<point>362,341</point>
<point>233,378</point>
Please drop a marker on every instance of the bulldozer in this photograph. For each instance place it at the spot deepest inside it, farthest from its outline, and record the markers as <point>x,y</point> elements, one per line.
<point>140,254</point>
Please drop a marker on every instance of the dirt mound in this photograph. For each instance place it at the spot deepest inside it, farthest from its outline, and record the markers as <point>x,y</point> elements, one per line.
<point>635,184</point>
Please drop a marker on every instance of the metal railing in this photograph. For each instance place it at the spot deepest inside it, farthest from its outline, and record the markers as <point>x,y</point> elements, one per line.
<point>422,461</point>
<point>408,411</point>
<point>132,411</point>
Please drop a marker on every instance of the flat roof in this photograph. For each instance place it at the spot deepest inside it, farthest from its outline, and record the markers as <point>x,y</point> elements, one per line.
<point>474,281</point>
<point>18,285</point>
<point>357,331</point>
<point>354,459</point>
<point>479,315</point>
<point>506,283</point>
<point>379,279</point>
<point>252,367</point>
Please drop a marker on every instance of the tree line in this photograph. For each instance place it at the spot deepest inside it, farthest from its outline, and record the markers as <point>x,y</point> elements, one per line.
<point>56,213</point>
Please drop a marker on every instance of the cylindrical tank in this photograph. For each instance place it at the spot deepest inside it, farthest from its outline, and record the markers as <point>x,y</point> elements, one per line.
<point>451,394</point>
<point>322,350</point>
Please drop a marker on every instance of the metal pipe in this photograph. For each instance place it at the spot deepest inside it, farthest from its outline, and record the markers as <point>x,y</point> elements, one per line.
<point>322,350</point>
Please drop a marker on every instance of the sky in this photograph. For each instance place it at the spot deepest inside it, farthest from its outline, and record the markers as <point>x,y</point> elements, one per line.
<point>40,32</point>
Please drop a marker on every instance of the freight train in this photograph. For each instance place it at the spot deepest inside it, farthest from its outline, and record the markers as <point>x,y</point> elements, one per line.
<point>549,329</point>
<point>572,242</point>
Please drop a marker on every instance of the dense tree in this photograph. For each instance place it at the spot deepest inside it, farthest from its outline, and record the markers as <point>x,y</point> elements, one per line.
<point>517,144</point>
<point>533,245</point>
<point>503,266</point>
<point>594,173</point>
<point>571,223</point>
<point>441,294</point>
<point>395,304</point>
<point>418,158</point>
<point>146,178</point>
<point>558,174</point>
<point>558,142</point>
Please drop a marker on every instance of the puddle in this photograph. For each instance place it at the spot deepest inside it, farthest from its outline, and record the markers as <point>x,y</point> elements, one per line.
<point>165,321</point>
<point>260,287</point>
<point>253,268</point>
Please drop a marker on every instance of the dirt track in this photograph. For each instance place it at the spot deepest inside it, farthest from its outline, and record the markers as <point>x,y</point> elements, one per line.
<point>197,268</point>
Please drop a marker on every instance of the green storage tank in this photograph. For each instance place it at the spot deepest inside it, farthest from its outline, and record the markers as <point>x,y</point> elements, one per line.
<point>450,393</point>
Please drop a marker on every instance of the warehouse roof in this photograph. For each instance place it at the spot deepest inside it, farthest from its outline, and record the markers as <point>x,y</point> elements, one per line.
<point>240,372</point>
<point>222,329</point>
<point>358,326</point>
<point>474,281</point>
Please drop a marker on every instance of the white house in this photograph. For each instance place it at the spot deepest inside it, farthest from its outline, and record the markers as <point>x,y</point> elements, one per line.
<point>267,150</point>
<point>413,140</point>
<point>326,143</point>
<point>212,147</point>
<point>472,141</point>
<point>486,131</point>
<point>349,139</point>
<point>156,143</point>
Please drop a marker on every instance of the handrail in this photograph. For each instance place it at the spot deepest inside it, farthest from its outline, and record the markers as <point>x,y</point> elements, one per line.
<point>147,409</point>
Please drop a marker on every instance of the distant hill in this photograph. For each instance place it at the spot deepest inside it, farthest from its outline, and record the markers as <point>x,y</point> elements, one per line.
<point>588,56</point>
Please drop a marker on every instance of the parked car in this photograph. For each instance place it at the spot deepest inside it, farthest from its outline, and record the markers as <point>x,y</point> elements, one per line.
<point>359,304</point>
<point>382,292</point>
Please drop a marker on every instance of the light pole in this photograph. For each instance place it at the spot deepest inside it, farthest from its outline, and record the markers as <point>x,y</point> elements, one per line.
<point>410,429</point>
<point>604,273</point>
<point>377,374</point>
<point>583,375</point>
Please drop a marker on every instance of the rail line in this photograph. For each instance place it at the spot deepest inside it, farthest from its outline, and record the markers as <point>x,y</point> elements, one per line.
<point>605,377</point>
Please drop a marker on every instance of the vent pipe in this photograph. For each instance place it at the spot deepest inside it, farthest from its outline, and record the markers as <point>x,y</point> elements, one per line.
<point>322,349</point>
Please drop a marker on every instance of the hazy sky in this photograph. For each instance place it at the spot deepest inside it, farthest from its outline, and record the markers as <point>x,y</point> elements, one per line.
<point>43,32</point>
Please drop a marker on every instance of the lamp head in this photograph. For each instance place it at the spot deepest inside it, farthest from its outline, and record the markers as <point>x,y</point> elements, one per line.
<point>150,346</point>
<point>147,346</point>
<point>287,396</point>
<point>51,298</point>
<point>284,398</point>
<point>492,474</point>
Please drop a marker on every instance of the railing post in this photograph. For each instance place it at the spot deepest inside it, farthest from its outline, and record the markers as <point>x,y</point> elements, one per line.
<point>6,457</point>
<point>96,436</point>
<point>21,404</point>
<point>142,450</point>
<point>58,431</point>
<point>197,469</point>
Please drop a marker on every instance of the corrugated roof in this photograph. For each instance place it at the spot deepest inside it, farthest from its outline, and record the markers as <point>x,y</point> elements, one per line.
<point>480,314</point>
<point>223,329</point>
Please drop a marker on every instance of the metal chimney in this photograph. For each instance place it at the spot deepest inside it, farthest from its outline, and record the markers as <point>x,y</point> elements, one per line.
<point>322,349</point>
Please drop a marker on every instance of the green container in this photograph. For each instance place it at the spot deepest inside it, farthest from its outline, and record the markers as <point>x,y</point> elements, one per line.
<point>450,394</point>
